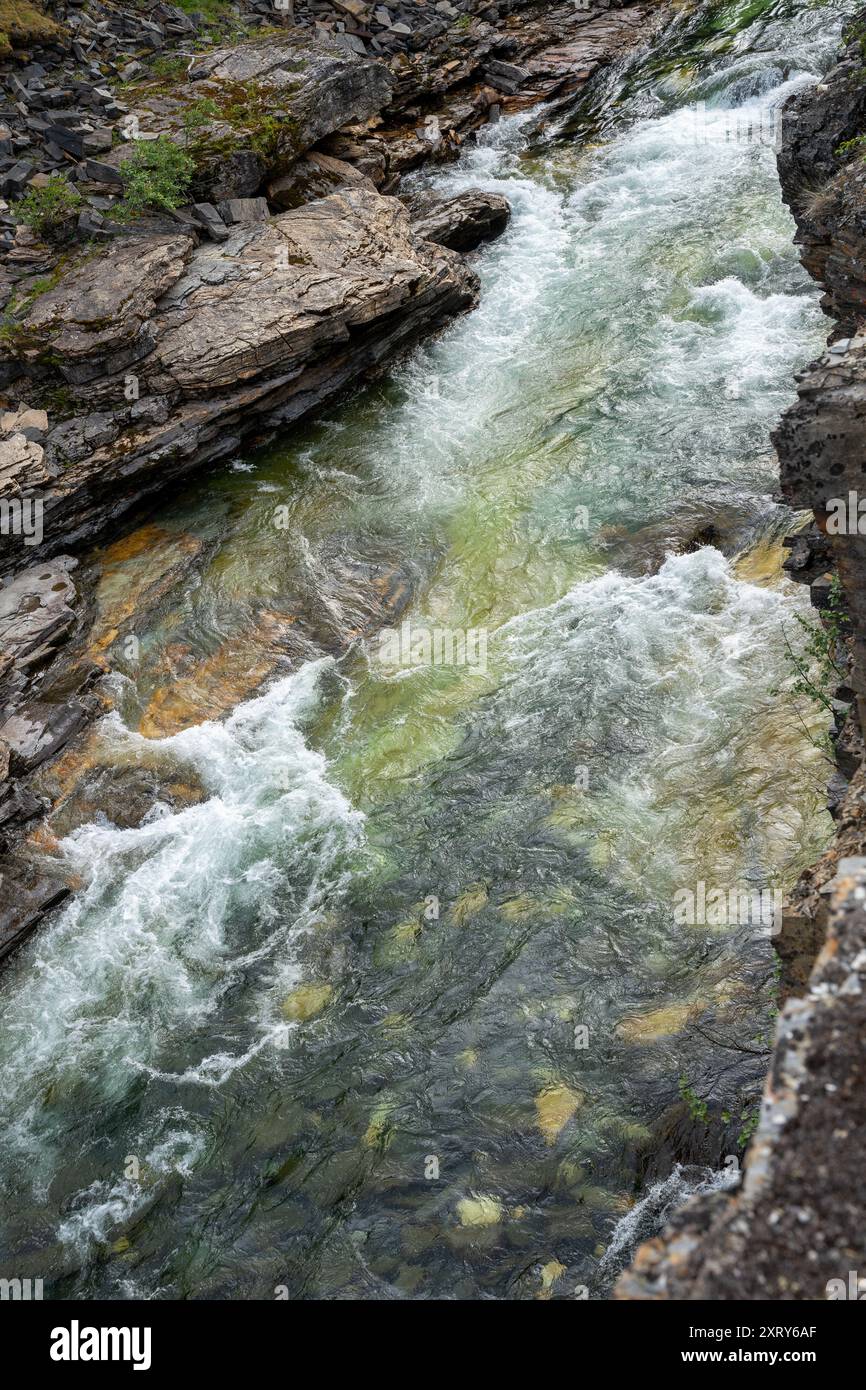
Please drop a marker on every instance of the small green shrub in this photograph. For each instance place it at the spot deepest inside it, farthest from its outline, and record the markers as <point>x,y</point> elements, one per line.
<point>698,1109</point>
<point>855,146</point>
<point>157,175</point>
<point>199,114</point>
<point>211,9</point>
<point>815,667</point>
<point>50,210</point>
<point>169,65</point>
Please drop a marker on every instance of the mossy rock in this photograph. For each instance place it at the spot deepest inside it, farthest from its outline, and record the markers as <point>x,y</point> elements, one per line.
<point>24,23</point>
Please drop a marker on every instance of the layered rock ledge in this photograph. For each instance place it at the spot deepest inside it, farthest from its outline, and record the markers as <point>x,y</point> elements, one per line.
<point>176,353</point>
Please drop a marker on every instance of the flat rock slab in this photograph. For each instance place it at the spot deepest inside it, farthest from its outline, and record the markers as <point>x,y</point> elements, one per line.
<point>279,294</point>
<point>100,310</point>
<point>36,611</point>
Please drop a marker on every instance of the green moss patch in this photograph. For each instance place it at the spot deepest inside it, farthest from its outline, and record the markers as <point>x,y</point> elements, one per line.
<point>23,23</point>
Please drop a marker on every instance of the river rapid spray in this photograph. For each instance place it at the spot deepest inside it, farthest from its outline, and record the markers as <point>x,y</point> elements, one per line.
<point>237,1060</point>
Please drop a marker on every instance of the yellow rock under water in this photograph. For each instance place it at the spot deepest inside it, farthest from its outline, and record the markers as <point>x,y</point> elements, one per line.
<point>469,903</point>
<point>659,1023</point>
<point>219,682</point>
<point>397,944</point>
<point>380,1130</point>
<point>763,563</point>
<point>306,1002</point>
<point>555,1106</point>
<point>550,1272</point>
<point>479,1211</point>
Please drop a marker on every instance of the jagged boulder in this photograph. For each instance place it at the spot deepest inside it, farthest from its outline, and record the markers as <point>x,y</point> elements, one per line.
<point>321,86</point>
<point>461,222</point>
<point>314,176</point>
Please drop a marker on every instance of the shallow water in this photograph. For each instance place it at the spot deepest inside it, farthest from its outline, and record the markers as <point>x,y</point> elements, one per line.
<point>391,1012</point>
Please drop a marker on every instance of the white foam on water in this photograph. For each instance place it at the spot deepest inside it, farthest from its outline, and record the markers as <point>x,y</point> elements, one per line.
<point>104,1207</point>
<point>654,1210</point>
<point>175,912</point>
<point>664,677</point>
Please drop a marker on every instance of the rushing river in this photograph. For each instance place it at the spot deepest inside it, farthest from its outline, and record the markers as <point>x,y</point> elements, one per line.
<point>387,998</point>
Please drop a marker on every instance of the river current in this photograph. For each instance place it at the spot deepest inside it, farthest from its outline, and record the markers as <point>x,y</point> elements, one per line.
<point>391,1001</point>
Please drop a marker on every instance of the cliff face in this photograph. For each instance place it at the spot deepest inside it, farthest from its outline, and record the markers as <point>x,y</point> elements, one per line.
<point>797,1220</point>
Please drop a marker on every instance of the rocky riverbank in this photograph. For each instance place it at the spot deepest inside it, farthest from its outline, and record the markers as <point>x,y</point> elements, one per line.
<point>205,237</point>
<point>795,1223</point>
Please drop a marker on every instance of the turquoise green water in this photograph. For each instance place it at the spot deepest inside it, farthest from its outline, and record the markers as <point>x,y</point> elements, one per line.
<point>393,1011</point>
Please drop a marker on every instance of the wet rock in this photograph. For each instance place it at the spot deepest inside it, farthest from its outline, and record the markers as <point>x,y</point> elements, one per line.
<point>555,1105</point>
<point>306,1002</point>
<point>462,222</point>
<point>821,444</point>
<point>123,796</point>
<point>478,1212</point>
<point>39,730</point>
<point>222,339</point>
<point>25,898</point>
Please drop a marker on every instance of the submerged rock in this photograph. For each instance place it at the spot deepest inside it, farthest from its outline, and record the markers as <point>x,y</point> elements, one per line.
<point>306,1001</point>
<point>555,1106</point>
<point>479,1211</point>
